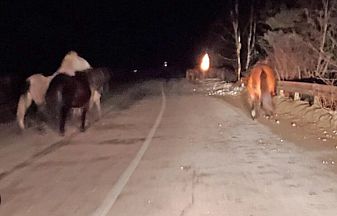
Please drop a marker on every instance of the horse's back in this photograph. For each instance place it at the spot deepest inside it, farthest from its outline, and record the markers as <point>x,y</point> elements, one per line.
<point>72,91</point>
<point>257,73</point>
<point>58,83</point>
<point>82,91</point>
<point>54,94</point>
<point>72,62</point>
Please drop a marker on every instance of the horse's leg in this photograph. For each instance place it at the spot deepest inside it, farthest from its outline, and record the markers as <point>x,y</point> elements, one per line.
<point>92,98</point>
<point>24,102</point>
<point>84,112</point>
<point>252,100</point>
<point>42,117</point>
<point>64,113</point>
<point>97,100</point>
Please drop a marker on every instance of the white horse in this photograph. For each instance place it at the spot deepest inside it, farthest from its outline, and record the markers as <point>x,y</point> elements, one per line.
<point>73,62</point>
<point>38,85</point>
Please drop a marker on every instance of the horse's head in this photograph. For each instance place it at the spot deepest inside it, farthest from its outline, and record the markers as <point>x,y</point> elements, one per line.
<point>73,62</point>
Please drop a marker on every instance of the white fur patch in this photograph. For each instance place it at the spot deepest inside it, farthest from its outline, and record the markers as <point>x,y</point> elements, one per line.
<point>73,62</point>
<point>253,113</point>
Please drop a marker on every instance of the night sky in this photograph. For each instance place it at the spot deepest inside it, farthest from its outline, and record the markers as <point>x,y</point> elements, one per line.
<point>35,35</point>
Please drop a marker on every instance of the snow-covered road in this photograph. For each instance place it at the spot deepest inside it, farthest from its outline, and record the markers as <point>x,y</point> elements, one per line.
<point>206,157</point>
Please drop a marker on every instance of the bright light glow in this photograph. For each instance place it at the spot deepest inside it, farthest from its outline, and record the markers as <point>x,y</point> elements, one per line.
<point>165,64</point>
<point>205,63</point>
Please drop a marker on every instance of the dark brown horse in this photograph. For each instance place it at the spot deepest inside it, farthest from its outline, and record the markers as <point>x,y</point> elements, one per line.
<point>67,92</point>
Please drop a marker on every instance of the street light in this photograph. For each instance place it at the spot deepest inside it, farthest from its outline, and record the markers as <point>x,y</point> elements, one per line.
<point>204,66</point>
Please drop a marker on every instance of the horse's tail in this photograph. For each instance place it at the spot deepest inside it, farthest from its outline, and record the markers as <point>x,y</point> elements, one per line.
<point>252,83</point>
<point>266,94</point>
<point>25,101</point>
<point>54,95</point>
<point>25,88</point>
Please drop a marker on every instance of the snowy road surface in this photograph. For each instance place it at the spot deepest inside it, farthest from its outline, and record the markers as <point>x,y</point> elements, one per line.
<point>204,157</point>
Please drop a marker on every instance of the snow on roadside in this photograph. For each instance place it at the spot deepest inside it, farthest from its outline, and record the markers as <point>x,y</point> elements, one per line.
<point>215,87</point>
<point>323,118</point>
<point>294,113</point>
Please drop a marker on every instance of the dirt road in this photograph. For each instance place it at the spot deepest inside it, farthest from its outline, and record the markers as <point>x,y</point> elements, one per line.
<point>199,156</point>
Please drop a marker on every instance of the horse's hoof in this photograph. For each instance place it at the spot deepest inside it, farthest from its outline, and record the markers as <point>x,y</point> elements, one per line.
<point>253,114</point>
<point>82,130</point>
<point>61,133</point>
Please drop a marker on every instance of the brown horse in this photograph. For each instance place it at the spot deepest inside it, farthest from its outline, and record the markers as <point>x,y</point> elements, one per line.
<point>67,92</point>
<point>261,86</point>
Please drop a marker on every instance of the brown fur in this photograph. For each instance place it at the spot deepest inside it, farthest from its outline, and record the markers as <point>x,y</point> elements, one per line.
<point>261,87</point>
<point>66,92</point>
<point>38,85</point>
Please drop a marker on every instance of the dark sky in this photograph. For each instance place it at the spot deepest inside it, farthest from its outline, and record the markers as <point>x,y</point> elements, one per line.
<point>35,35</point>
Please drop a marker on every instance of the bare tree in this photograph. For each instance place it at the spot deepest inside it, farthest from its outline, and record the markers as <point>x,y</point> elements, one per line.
<point>311,30</point>
<point>284,47</point>
<point>237,36</point>
<point>323,24</point>
<point>221,46</point>
<point>251,36</point>
<point>290,56</point>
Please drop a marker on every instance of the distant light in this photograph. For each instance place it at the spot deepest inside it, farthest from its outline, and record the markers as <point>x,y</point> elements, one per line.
<point>165,63</point>
<point>135,70</point>
<point>205,63</point>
